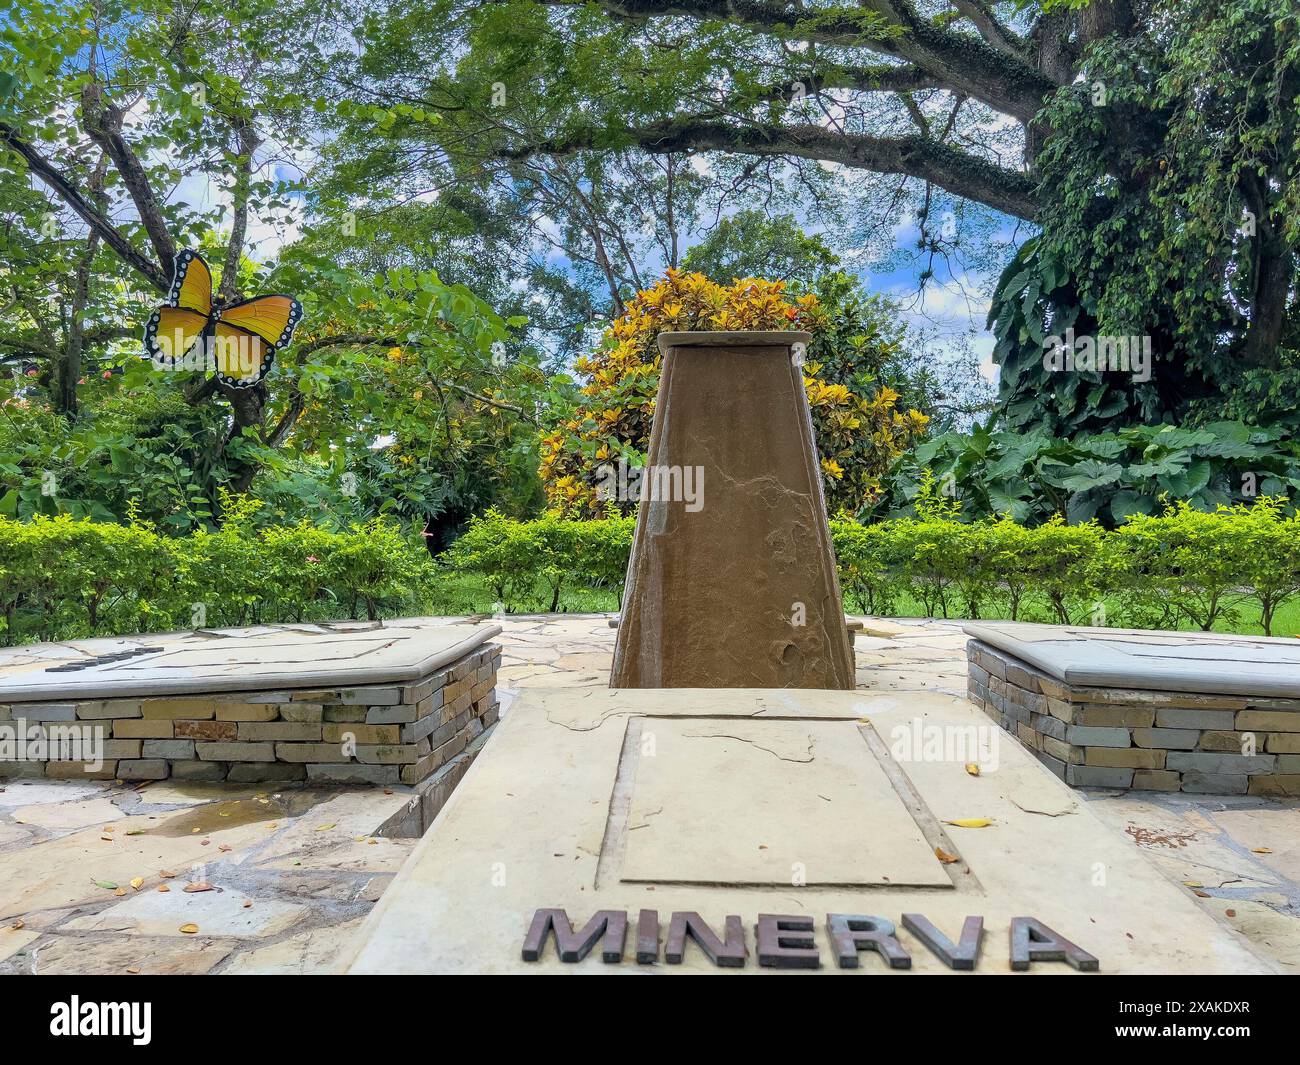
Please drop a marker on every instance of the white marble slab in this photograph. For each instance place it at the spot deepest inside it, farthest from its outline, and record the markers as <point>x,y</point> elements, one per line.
<point>1210,662</point>
<point>262,657</point>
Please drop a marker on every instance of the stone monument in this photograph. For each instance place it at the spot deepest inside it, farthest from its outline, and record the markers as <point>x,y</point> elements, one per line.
<point>731,581</point>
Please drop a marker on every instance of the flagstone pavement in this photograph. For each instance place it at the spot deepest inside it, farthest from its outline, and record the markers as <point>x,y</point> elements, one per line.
<point>105,877</point>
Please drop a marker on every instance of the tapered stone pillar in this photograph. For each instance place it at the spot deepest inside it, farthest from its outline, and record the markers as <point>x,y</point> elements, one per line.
<point>732,583</point>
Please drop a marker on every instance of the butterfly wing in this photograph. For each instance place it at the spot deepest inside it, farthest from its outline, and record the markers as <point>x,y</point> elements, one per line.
<point>253,331</point>
<point>170,334</point>
<point>191,283</point>
<point>242,357</point>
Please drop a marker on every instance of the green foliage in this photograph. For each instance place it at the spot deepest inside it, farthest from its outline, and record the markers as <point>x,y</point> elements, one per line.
<point>513,554</point>
<point>64,578</point>
<point>1031,476</point>
<point>750,244</point>
<point>1169,191</point>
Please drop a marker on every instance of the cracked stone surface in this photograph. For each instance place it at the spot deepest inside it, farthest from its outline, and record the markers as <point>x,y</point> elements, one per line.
<point>733,414</point>
<point>1237,858</point>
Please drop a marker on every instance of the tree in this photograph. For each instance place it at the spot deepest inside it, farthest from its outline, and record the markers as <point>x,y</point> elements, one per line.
<point>1085,117</point>
<point>860,430</point>
<point>113,104</point>
<point>750,244</point>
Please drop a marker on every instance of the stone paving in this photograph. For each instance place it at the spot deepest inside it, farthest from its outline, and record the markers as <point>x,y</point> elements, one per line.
<point>93,874</point>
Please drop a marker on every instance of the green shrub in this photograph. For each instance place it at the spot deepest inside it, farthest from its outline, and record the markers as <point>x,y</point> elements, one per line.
<point>63,577</point>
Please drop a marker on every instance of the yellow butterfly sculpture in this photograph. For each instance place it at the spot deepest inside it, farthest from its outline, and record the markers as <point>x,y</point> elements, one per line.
<point>238,343</point>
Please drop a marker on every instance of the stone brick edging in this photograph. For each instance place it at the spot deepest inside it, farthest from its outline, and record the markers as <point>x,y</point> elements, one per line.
<point>377,734</point>
<point>1146,740</point>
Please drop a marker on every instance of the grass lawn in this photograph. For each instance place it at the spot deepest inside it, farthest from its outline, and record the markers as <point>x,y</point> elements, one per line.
<point>465,593</point>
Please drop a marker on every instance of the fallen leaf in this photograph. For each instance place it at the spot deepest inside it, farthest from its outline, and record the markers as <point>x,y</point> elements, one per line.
<point>1261,850</point>
<point>136,832</point>
<point>107,885</point>
<point>189,929</point>
<point>373,842</point>
<point>1230,913</point>
<point>248,905</point>
<point>201,885</point>
<point>1202,894</point>
<point>163,887</point>
<point>970,822</point>
<point>107,839</point>
<point>133,969</point>
<point>1192,883</point>
<point>137,882</point>
<point>325,828</point>
<point>193,830</point>
<point>944,856</point>
<point>166,874</point>
<point>120,892</point>
<point>224,847</point>
<point>17,924</point>
<point>973,768</point>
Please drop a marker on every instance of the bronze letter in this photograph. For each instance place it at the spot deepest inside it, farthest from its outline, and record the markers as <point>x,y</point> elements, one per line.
<point>574,947</point>
<point>647,937</point>
<point>961,956</point>
<point>785,942</point>
<point>1031,940</point>
<point>852,933</point>
<point>726,955</point>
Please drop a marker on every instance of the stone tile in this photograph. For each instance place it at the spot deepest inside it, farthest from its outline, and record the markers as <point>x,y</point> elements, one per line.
<point>140,729</point>
<point>33,793</point>
<point>1267,721</point>
<point>217,913</point>
<point>1203,783</point>
<point>236,752</point>
<point>1125,757</point>
<point>1227,742</point>
<point>1215,762</point>
<point>1085,736</point>
<point>205,730</point>
<point>352,773</point>
<point>1171,739</point>
<point>171,709</point>
<point>247,712</point>
<point>253,772</point>
<point>361,733</point>
<point>1183,717</point>
<point>310,952</point>
<point>250,731</point>
<point>143,769</point>
<point>68,816</point>
<point>181,749</point>
<point>1156,780</point>
<point>76,955</point>
<point>15,940</point>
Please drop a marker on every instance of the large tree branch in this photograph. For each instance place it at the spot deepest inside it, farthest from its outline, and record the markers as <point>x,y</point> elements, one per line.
<point>963,63</point>
<point>69,194</point>
<point>1001,37</point>
<point>103,121</point>
<point>963,175</point>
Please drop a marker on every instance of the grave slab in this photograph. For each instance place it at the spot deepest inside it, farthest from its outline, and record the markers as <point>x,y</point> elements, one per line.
<point>1207,662</point>
<point>592,799</point>
<point>254,658</point>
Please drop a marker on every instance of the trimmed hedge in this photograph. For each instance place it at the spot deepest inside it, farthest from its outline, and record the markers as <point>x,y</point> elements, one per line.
<point>1183,567</point>
<point>62,578</point>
